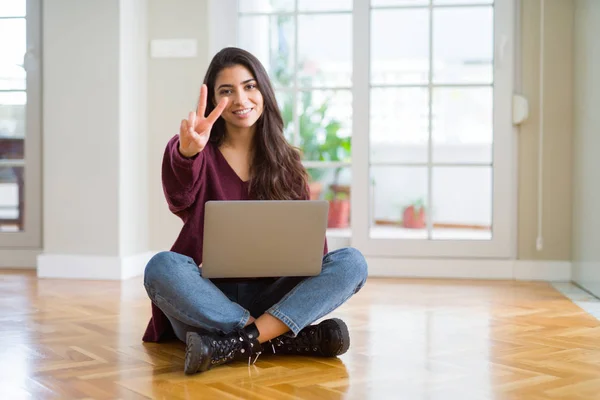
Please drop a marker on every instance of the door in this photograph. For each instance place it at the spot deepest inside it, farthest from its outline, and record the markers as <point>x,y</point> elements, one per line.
<point>20,124</point>
<point>402,110</point>
<point>432,132</point>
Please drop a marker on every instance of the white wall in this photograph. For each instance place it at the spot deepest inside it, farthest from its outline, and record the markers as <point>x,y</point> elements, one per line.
<point>173,89</point>
<point>558,131</point>
<point>586,188</point>
<point>133,118</point>
<point>95,150</point>
<point>81,127</point>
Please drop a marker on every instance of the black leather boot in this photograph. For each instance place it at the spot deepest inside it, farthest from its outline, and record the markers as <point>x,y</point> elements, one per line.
<point>204,351</point>
<point>330,338</point>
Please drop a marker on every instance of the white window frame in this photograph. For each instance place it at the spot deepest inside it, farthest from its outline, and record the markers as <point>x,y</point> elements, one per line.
<point>503,242</point>
<point>31,235</point>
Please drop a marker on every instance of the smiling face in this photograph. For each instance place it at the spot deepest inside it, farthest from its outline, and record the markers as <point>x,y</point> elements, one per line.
<point>245,105</point>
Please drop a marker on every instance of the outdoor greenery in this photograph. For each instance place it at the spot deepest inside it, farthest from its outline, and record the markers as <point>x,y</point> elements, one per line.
<point>318,135</point>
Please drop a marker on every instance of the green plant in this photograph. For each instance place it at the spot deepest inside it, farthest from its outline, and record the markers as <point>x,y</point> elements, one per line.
<point>318,134</point>
<point>331,196</point>
<point>417,205</point>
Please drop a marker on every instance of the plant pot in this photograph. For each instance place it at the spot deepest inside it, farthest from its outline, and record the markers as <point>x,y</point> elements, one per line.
<point>412,219</point>
<point>337,189</point>
<point>339,214</point>
<point>315,188</point>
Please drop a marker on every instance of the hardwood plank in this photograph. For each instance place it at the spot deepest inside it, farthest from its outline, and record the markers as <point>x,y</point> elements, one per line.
<point>434,339</point>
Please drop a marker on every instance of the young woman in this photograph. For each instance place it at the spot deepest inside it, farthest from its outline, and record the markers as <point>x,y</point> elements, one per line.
<point>233,148</point>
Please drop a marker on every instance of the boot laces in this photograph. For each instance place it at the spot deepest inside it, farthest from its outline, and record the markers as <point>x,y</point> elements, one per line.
<point>227,349</point>
<point>309,339</point>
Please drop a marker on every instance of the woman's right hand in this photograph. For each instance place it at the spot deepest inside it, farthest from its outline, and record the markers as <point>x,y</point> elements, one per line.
<point>195,131</point>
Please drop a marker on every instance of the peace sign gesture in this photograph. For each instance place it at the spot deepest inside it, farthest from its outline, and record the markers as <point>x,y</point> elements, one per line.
<point>194,132</point>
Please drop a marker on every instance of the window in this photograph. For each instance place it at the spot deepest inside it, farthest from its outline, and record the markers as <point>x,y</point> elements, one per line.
<point>431,120</point>
<point>312,74</point>
<point>403,106</point>
<point>20,122</point>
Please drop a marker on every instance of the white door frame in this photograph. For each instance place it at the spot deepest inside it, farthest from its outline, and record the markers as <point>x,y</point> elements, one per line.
<point>31,236</point>
<point>502,244</point>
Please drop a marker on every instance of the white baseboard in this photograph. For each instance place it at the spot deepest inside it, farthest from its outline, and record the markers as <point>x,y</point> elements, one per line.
<point>585,274</point>
<point>439,268</point>
<point>335,242</point>
<point>68,266</point>
<point>134,265</point>
<point>19,258</point>
<point>119,268</point>
<point>555,271</point>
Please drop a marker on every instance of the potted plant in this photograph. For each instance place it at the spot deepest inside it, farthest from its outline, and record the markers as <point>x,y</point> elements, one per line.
<point>311,121</point>
<point>339,210</point>
<point>320,141</point>
<point>414,216</point>
<point>318,134</point>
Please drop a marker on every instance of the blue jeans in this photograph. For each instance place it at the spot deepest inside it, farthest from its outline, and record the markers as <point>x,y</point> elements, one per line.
<point>192,303</point>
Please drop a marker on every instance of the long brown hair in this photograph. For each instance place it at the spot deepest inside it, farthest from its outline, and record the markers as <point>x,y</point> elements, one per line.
<point>276,170</point>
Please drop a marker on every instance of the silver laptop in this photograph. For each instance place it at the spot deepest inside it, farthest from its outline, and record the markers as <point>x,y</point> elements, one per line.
<point>251,239</point>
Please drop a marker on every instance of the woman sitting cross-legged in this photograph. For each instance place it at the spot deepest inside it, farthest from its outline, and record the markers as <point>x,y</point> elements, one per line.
<point>233,148</point>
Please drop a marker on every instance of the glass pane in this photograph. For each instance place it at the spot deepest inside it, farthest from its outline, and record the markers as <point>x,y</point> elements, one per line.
<point>12,44</point>
<point>271,40</point>
<point>462,125</point>
<point>462,203</point>
<point>333,184</point>
<point>325,124</point>
<point>12,115</point>
<point>285,101</point>
<point>399,124</point>
<point>455,2</point>
<point>12,76</point>
<point>325,59</point>
<point>463,45</point>
<point>320,5</point>
<point>13,8</point>
<point>265,6</point>
<point>399,201</point>
<point>400,46</point>
<point>11,196</point>
<point>379,3</point>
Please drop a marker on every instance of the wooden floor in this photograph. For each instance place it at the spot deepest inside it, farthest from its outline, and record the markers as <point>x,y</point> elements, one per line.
<point>411,339</point>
